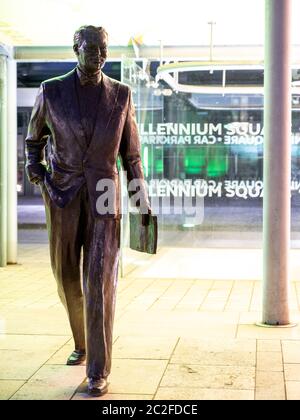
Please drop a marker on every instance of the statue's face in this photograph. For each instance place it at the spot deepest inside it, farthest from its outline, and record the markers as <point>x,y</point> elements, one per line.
<point>92,53</point>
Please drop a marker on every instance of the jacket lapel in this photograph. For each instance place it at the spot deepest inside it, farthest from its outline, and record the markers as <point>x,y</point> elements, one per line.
<point>107,102</point>
<point>71,107</point>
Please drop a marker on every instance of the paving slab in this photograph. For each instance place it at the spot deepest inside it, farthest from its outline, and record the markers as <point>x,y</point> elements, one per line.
<point>52,383</point>
<point>185,394</point>
<point>213,352</point>
<point>9,388</point>
<point>197,376</point>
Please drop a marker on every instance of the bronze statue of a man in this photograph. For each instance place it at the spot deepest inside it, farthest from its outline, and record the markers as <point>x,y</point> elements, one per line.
<point>87,120</point>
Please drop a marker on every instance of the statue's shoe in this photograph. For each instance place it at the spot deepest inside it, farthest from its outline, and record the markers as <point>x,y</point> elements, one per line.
<point>76,358</point>
<point>97,387</point>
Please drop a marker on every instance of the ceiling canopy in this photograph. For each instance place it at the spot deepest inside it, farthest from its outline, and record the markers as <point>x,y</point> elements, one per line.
<point>53,22</point>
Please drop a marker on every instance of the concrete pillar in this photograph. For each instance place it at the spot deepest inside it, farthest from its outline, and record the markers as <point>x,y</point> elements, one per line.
<point>277,162</point>
<point>3,160</point>
<point>12,156</point>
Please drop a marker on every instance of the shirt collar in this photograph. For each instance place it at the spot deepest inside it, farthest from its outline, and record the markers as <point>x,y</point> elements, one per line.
<point>89,79</point>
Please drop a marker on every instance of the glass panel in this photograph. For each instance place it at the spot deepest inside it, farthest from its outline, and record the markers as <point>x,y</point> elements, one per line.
<point>149,111</point>
<point>208,78</point>
<point>203,159</point>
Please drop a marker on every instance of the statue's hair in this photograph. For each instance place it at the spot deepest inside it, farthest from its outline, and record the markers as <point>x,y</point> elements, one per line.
<point>79,34</point>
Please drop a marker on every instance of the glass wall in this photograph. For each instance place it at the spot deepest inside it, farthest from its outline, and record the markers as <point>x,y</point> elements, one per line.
<point>202,151</point>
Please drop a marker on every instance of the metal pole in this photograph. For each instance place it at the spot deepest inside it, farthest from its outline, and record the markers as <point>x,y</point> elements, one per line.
<point>161,52</point>
<point>277,162</point>
<point>211,40</point>
<point>3,160</point>
<point>12,223</point>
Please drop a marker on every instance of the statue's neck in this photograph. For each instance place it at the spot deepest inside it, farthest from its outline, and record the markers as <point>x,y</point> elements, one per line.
<point>89,78</point>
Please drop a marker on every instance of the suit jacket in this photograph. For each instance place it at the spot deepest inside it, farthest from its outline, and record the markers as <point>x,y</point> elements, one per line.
<point>55,121</point>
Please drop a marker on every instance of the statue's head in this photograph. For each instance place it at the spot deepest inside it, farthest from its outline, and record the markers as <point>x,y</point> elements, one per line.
<point>90,47</point>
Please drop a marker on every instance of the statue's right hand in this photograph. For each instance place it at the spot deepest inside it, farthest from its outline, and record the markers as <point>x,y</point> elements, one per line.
<point>35,172</point>
<point>36,180</point>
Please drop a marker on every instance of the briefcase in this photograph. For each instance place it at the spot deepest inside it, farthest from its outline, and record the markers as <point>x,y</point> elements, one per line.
<point>143,238</point>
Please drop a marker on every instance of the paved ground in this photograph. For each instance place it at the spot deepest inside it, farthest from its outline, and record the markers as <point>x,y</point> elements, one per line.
<point>188,337</point>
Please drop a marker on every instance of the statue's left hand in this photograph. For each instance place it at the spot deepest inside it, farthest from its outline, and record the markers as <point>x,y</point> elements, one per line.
<point>145,217</point>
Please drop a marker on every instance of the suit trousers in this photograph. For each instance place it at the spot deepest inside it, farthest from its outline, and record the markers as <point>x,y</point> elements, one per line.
<point>74,231</point>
